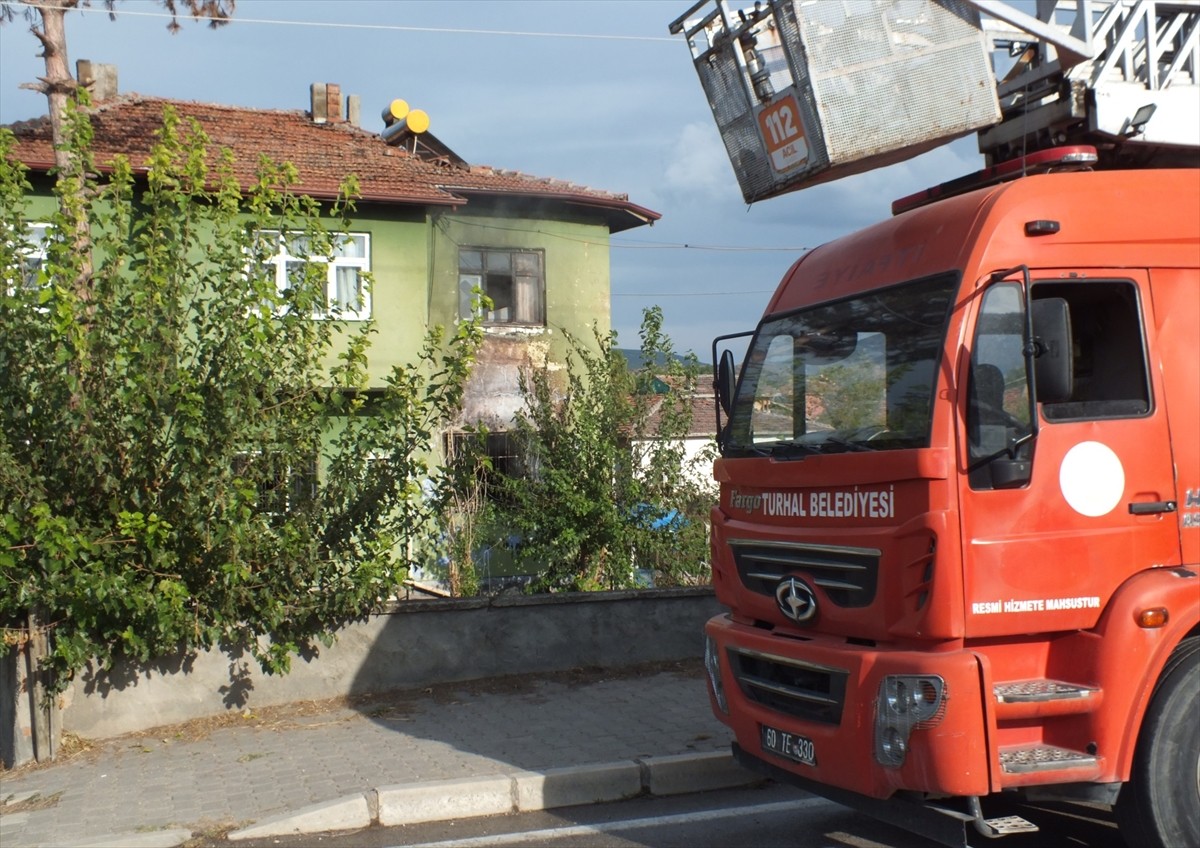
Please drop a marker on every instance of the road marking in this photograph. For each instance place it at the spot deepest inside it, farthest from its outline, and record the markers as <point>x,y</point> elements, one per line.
<point>616,826</point>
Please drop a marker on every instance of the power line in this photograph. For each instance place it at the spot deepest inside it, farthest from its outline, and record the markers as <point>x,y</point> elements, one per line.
<point>444,225</point>
<point>634,245</point>
<point>612,243</point>
<point>378,27</point>
<point>694,294</point>
<point>666,245</point>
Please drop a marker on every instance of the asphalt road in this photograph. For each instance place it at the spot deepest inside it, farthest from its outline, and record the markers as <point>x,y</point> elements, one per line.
<point>764,818</point>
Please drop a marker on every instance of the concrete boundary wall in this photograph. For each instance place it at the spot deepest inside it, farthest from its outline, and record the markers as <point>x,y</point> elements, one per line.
<point>418,643</point>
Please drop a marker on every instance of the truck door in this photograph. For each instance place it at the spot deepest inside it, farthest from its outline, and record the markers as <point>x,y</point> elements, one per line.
<point>1053,523</point>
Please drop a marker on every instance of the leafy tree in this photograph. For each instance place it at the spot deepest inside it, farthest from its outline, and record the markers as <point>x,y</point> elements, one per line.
<point>607,489</point>
<point>47,23</point>
<point>159,438</point>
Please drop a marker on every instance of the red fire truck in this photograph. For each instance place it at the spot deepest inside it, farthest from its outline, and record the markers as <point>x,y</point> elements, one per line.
<point>959,524</point>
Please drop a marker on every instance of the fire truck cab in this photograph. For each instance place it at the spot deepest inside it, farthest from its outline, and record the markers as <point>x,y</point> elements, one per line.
<point>959,523</point>
<point>958,533</point>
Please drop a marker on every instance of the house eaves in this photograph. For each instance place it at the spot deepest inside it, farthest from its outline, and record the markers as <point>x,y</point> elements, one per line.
<point>323,153</point>
<point>619,213</point>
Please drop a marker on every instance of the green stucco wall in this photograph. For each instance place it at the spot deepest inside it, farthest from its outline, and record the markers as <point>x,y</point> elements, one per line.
<point>414,263</point>
<point>414,266</point>
<point>399,254</point>
<point>576,268</point>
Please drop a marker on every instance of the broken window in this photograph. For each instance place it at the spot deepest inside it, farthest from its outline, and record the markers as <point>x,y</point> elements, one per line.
<point>500,450</point>
<point>513,280</point>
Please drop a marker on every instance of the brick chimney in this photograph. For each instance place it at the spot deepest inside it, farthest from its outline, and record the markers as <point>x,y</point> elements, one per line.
<point>99,79</point>
<point>326,103</point>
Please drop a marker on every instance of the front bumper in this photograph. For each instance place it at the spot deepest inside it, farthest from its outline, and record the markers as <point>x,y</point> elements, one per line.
<point>831,699</point>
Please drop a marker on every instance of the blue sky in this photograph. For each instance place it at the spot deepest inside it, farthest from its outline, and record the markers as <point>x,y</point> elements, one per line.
<point>592,91</point>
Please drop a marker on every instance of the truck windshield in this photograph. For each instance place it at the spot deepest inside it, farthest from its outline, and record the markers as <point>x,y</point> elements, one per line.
<point>848,375</point>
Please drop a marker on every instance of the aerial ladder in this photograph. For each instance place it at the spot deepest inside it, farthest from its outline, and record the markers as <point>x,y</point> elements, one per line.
<point>805,92</point>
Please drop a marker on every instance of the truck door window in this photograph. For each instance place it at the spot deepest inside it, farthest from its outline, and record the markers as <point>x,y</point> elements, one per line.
<point>998,416</point>
<point>1109,377</point>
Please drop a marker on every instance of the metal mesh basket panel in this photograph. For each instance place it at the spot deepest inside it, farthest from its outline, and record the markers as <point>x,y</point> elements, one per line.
<point>722,80</point>
<point>876,81</point>
<point>889,75</point>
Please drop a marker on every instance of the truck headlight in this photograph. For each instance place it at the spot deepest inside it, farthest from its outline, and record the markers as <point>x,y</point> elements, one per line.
<point>712,664</point>
<point>906,703</point>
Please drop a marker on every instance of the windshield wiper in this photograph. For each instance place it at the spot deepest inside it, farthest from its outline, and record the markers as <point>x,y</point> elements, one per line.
<point>800,448</point>
<point>794,449</point>
<point>746,450</point>
<point>847,444</point>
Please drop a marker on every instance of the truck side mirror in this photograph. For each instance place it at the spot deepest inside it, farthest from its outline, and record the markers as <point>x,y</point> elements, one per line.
<point>1054,361</point>
<point>726,377</point>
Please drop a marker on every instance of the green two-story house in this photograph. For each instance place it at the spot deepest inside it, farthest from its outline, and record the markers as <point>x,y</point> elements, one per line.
<point>428,227</point>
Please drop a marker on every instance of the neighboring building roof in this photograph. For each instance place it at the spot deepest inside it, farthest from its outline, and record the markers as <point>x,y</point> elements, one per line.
<point>704,416</point>
<point>701,400</point>
<point>323,154</point>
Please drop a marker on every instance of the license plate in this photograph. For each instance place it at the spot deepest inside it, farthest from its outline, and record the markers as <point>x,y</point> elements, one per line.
<point>791,746</point>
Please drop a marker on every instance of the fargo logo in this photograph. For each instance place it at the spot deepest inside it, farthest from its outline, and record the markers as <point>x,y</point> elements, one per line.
<point>750,503</point>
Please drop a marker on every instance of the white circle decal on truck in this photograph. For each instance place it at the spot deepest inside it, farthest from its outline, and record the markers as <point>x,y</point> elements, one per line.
<point>1092,479</point>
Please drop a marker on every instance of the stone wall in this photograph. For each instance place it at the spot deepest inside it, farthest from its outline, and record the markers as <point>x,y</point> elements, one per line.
<point>419,643</point>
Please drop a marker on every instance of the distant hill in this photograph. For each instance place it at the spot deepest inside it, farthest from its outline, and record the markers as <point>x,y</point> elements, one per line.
<point>634,358</point>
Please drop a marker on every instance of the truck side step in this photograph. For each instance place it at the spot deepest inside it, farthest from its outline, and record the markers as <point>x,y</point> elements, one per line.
<point>1007,825</point>
<point>1035,758</point>
<point>1024,699</point>
<point>1020,691</point>
<point>991,828</point>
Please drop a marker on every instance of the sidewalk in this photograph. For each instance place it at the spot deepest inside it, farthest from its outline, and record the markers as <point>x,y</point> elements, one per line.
<point>447,752</point>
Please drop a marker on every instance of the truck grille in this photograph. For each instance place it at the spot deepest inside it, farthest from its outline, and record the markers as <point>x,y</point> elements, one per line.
<point>848,576</point>
<point>804,690</point>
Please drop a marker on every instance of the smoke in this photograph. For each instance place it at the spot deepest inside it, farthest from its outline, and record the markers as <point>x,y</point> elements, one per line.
<point>698,166</point>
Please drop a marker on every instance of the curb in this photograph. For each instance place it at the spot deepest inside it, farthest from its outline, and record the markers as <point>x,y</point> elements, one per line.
<point>149,839</point>
<point>514,792</point>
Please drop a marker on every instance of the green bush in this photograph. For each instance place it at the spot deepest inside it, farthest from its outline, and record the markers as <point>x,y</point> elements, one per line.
<point>607,494</point>
<point>165,413</point>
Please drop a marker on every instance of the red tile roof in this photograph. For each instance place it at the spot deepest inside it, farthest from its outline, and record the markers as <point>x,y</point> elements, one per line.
<point>703,413</point>
<point>322,153</point>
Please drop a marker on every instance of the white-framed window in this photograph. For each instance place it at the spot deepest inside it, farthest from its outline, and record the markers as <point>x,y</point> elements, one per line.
<point>347,294</point>
<point>513,280</point>
<point>33,252</point>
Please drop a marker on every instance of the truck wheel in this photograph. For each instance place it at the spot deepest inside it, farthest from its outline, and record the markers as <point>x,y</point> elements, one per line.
<point>1160,806</point>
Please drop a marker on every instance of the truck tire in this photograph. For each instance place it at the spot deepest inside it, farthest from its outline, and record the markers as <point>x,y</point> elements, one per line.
<point>1160,805</point>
